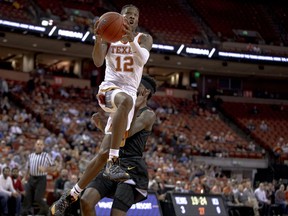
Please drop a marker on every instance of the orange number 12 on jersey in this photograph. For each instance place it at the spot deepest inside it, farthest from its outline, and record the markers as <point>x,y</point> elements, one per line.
<point>124,64</point>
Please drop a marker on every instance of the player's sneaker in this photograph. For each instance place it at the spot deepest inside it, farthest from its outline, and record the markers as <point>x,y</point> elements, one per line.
<point>58,208</point>
<point>114,172</point>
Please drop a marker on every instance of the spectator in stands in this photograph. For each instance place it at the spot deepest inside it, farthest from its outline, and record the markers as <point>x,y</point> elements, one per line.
<point>50,140</point>
<point>263,126</point>
<point>17,181</point>
<point>59,165</point>
<point>4,90</point>
<point>73,210</point>
<point>183,158</point>
<point>7,191</point>
<point>31,85</point>
<point>204,185</point>
<point>261,197</point>
<point>277,150</point>
<point>199,188</point>
<point>59,184</point>
<point>157,185</point>
<point>179,187</point>
<point>20,116</point>
<point>255,110</point>
<point>71,182</point>
<point>61,140</point>
<point>281,141</point>
<point>270,192</point>
<point>250,125</point>
<point>64,93</point>
<point>2,131</point>
<point>208,136</point>
<point>239,197</point>
<point>15,129</point>
<point>217,187</point>
<point>228,193</point>
<point>55,152</point>
<point>252,201</point>
<point>6,160</point>
<point>280,198</point>
<point>221,138</point>
<point>5,104</point>
<point>160,110</point>
<point>4,124</point>
<point>251,146</point>
<point>234,185</point>
<point>42,130</point>
<point>18,186</point>
<point>192,189</point>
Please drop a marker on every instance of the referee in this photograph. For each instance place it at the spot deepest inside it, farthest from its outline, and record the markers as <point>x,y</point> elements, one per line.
<point>38,165</point>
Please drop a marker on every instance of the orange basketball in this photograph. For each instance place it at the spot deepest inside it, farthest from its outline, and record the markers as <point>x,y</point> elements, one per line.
<point>111,26</point>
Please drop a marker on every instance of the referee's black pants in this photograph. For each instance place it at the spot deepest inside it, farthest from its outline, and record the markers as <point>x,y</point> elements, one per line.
<point>35,192</point>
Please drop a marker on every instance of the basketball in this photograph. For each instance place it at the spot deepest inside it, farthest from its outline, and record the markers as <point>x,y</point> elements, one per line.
<point>110,26</point>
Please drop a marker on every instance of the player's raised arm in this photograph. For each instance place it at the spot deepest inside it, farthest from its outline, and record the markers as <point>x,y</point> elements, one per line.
<point>99,49</point>
<point>139,48</point>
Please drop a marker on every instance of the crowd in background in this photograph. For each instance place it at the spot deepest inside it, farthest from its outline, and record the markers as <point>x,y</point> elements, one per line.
<point>61,118</point>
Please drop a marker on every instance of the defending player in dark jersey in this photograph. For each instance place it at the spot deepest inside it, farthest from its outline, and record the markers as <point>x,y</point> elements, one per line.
<point>134,190</point>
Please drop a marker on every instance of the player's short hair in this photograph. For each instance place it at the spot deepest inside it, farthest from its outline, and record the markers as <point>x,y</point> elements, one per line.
<point>150,84</point>
<point>127,6</point>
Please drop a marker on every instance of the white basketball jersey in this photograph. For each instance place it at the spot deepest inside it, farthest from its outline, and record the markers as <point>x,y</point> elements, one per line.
<point>121,67</point>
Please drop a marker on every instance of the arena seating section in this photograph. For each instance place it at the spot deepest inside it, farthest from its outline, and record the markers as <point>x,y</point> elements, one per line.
<point>187,120</point>
<point>196,127</point>
<point>16,11</point>
<point>275,116</point>
<point>173,21</point>
<point>181,121</point>
<point>223,16</point>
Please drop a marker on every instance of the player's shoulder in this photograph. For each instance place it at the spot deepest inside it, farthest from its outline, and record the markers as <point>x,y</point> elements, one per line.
<point>145,38</point>
<point>149,114</point>
<point>145,35</point>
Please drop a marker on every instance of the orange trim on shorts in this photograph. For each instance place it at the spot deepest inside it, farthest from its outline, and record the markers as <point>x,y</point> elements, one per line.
<point>101,98</point>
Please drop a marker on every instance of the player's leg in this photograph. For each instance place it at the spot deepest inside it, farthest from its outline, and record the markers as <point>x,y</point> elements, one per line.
<point>96,164</point>
<point>120,123</point>
<point>124,104</point>
<point>95,191</point>
<point>118,212</point>
<point>124,198</point>
<point>93,168</point>
<point>88,200</point>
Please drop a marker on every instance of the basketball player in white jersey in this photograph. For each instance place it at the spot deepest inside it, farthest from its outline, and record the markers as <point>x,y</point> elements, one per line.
<point>117,94</point>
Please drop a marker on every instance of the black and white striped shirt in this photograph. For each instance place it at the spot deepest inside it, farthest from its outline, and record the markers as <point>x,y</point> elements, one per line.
<point>37,160</point>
